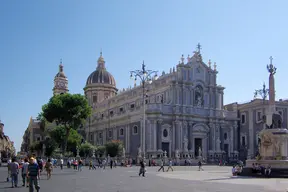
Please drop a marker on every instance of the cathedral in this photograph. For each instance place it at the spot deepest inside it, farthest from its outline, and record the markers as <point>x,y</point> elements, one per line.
<point>184,112</point>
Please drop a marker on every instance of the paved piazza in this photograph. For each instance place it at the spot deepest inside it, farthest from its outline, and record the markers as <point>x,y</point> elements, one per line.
<point>183,179</point>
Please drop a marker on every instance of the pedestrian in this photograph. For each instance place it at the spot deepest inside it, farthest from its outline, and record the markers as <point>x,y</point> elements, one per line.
<point>24,172</point>
<point>9,172</point>
<point>200,166</point>
<point>61,163</point>
<point>161,166</point>
<point>14,170</point>
<point>170,165</point>
<point>48,168</point>
<point>142,168</point>
<point>33,174</point>
<point>80,163</point>
<point>111,163</point>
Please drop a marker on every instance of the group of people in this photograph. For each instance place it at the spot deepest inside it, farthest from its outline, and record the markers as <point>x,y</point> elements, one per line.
<point>30,170</point>
<point>259,169</point>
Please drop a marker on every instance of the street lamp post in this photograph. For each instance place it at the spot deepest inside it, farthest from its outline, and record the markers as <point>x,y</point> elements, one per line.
<point>145,76</point>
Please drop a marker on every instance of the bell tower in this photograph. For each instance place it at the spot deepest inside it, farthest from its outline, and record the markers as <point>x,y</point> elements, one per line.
<point>60,81</point>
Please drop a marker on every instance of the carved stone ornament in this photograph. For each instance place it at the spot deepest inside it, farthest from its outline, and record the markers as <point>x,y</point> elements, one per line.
<point>267,139</point>
<point>200,127</point>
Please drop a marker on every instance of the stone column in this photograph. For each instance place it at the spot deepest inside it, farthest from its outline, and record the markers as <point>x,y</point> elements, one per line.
<point>173,147</point>
<point>251,134</point>
<point>232,139</point>
<point>159,129</point>
<point>127,139</point>
<point>177,135</point>
<point>154,130</point>
<point>190,138</point>
<point>149,136</point>
<point>236,136</point>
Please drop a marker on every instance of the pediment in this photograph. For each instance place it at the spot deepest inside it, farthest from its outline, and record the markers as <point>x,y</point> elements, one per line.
<point>200,127</point>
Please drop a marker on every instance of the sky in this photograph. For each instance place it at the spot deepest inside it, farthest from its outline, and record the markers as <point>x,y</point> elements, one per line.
<point>239,36</point>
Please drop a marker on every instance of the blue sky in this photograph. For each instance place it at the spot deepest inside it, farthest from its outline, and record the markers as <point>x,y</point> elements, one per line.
<point>239,35</point>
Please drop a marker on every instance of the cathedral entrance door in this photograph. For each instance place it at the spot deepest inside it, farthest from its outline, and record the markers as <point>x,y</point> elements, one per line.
<point>226,149</point>
<point>197,144</point>
<point>165,147</point>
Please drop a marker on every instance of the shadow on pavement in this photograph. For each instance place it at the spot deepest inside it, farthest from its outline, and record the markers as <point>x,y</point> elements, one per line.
<point>227,178</point>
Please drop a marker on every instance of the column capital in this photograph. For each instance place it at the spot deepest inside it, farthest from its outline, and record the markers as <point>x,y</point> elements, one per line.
<point>159,121</point>
<point>185,123</point>
<point>191,123</point>
<point>177,122</point>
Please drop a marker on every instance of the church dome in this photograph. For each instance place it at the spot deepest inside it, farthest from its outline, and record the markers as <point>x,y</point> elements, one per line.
<point>101,75</point>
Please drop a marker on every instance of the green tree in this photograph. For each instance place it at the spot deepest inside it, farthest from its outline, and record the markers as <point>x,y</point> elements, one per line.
<point>114,148</point>
<point>68,110</point>
<point>86,149</point>
<point>58,134</point>
<point>100,150</point>
<point>50,146</point>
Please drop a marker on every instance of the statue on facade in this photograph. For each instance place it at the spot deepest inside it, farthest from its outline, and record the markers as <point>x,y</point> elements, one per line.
<point>218,145</point>
<point>200,152</point>
<point>177,153</point>
<point>199,96</point>
<point>185,146</point>
<point>139,151</point>
<point>93,153</point>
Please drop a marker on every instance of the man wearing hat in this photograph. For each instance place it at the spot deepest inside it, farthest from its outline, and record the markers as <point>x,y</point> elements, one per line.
<point>33,174</point>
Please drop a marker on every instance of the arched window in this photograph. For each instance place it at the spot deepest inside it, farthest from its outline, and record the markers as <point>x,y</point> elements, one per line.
<point>135,130</point>
<point>121,131</point>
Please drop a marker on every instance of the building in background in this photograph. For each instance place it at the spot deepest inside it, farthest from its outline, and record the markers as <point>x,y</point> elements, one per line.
<point>184,113</point>
<point>34,133</point>
<point>7,148</point>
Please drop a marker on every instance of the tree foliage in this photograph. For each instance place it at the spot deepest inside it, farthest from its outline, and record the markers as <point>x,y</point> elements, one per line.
<point>58,134</point>
<point>50,146</point>
<point>86,149</point>
<point>68,110</point>
<point>114,148</point>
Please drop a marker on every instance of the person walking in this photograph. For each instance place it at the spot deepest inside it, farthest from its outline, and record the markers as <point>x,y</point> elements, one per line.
<point>14,169</point>
<point>142,168</point>
<point>161,166</point>
<point>61,163</point>
<point>170,165</point>
<point>200,166</point>
<point>33,174</point>
<point>48,168</point>
<point>24,172</point>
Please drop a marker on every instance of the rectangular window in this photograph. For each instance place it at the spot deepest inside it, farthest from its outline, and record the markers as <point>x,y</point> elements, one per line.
<point>95,99</point>
<point>243,141</point>
<point>121,109</point>
<point>243,118</point>
<point>132,106</point>
<point>100,135</point>
<point>102,116</point>
<point>259,116</point>
<point>91,137</point>
<point>111,113</point>
<point>110,134</point>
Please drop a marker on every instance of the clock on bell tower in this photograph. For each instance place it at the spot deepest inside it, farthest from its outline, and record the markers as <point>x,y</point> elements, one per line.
<point>60,81</point>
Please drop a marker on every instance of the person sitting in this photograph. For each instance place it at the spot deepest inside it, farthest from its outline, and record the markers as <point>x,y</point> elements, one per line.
<point>234,171</point>
<point>267,171</point>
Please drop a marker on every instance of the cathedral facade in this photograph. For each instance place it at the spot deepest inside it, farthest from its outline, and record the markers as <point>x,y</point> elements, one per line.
<point>184,113</point>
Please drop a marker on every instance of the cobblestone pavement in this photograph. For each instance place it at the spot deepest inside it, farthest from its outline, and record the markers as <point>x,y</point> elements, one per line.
<point>183,179</point>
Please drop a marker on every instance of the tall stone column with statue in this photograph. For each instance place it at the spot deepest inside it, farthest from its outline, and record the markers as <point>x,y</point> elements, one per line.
<point>274,138</point>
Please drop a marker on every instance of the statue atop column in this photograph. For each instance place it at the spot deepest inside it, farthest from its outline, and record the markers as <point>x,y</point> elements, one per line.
<point>272,118</point>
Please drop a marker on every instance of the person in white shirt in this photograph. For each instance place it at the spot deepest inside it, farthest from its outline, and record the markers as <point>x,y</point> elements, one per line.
<point>170,165</point>
<point>61,163</point>
<point>24,172</point>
